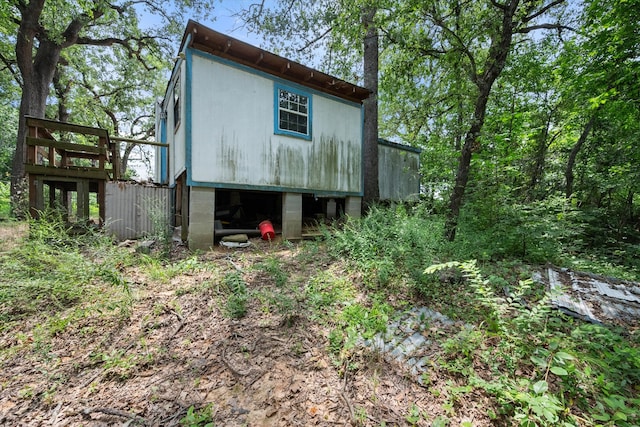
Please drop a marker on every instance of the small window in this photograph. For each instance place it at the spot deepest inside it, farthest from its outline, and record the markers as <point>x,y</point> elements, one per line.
<point>293,113</point>
<point>176,104</point>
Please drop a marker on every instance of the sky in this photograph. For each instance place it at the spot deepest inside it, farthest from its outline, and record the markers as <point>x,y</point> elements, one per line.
<point>223,19</point>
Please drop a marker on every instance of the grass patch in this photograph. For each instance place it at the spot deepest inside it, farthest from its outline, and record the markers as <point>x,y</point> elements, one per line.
<point>54,268</point>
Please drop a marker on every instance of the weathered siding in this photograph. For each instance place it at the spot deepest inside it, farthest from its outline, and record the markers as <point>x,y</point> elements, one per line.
<point>174,135</point>
<point>133,211</point>
<point>233,141</point>
<point>398,172</point>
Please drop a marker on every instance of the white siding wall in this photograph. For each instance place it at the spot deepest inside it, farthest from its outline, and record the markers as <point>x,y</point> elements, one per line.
<point>233,140</point>
<point>179,156</point>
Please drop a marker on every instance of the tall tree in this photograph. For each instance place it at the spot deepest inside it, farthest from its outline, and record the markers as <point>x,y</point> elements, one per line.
<point>370,65</point>
<point>505,20</point>
<point>44,29</point>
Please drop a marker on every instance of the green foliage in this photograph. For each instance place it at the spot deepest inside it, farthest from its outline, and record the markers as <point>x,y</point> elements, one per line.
<point>5,200</point>
<point>273,267</point>
<point>55,267</point>
<point>161,230</point>
<point>163,270</point>
<point>237,295</point>
<point>367,321</point>
<point>541,231</point>
<point>570,368</point>
<point>202,417</point>
<point>390,241</point>
<point>327,293</point>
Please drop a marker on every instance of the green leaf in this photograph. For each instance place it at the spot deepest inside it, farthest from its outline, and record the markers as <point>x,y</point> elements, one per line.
<point>619,416</point>
<point>538,361</point>
<point>540,387</point>
<point>561,355</point>
<point>601,417</point>
<point>561,372</point>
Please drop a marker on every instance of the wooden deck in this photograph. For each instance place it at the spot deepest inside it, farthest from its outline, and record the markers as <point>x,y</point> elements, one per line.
<point>63,159</point>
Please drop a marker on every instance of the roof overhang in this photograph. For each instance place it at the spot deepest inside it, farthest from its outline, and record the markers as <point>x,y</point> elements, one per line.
<point>210,41</point>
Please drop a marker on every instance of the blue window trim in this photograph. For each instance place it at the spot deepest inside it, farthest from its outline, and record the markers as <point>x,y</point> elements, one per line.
<point>276,112</point>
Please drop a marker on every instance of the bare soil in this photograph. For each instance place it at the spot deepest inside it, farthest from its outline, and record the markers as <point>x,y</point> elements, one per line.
<point>173,347</point>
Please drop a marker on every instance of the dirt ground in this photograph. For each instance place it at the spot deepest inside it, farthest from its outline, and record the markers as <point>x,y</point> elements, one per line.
<point>174,348</point>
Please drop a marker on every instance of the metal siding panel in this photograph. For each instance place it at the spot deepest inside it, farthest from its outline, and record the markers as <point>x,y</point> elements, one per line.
<point>398,173</point>
<point>131,208</point>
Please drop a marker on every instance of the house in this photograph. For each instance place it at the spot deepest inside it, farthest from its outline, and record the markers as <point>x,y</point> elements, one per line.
<point>253,136</point>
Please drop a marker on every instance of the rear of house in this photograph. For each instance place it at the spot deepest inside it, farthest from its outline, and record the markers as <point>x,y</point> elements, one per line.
<point>254,136</point>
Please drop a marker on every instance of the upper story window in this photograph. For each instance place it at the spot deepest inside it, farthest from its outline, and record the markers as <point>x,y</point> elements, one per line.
<point>293,112</point>
<point>176,104</point>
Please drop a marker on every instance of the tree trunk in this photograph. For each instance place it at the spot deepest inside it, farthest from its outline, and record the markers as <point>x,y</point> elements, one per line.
<point>32,103</point>
<point>37,73</point>
<point>464,164</point>
<point>371,186</point>
<point>568,173</point>
<point>124,158</point>
<point>537,170</point>
<point>493,66</point>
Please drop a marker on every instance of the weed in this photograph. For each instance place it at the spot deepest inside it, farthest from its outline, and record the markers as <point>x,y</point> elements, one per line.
<point>327,292</point>
<point>273,267</point>
<point>202,417</point>
<point>237,295</point>
<point>161,230</point>
<point>117,363</point>
<point>415,415</point>
<point>54,268</point>
<point>26,392</point>
<point>163,271</point>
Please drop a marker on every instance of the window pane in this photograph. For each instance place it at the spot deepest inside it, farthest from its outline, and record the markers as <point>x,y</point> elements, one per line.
<point>293,111</point>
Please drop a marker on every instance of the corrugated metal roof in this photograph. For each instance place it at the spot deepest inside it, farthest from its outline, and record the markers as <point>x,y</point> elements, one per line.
<point>593,298</point>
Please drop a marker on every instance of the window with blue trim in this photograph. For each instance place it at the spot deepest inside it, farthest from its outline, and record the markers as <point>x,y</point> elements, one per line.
<point>293,112</point>
<point>176,104</point>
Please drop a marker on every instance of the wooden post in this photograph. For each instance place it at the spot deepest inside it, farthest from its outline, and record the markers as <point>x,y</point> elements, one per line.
<point>82,189</point>
<point>101,201</point>
<point>31,159</point>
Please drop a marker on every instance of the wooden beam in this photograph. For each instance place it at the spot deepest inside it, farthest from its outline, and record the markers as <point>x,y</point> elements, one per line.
<point>68,146</point>
<point>138,141</point>
<point>67,127</point>
<point>68,172</point>
<point>260,58</point>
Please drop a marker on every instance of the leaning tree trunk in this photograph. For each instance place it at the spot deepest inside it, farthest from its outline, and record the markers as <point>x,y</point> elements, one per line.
<point>371,186</point>
<point>568,173</point>
<point>493,66</point>
<point>471,144</point>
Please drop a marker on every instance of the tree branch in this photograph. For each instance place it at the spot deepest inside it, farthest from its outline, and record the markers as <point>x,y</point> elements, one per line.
<point>498,5</point>
<point>9,65</point>
<point>125,43</point>
<point>558,27</point>
<point>315,40</point>
<point>542,11</point>
<point>72,31</point>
